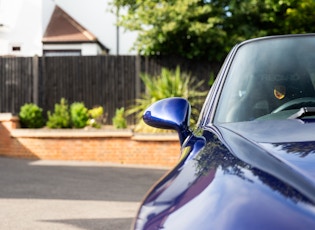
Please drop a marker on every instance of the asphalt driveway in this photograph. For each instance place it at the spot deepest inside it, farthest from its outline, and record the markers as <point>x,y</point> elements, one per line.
<point>70,195</point>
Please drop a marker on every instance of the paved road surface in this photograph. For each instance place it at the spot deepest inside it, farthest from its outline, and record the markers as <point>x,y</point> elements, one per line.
<point>54,195</point>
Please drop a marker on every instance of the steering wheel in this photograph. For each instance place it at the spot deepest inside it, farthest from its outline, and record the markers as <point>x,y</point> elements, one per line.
<point>302,102</point>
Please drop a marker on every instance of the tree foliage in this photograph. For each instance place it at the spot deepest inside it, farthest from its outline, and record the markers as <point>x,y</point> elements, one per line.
<point>209,28</point>
<point>254,18</point>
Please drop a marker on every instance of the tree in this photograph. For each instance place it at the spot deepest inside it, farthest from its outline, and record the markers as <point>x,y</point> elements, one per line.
<point>253,18</point>
<point>208,29</point>
<point>301,18</point>
<point>188,28</point>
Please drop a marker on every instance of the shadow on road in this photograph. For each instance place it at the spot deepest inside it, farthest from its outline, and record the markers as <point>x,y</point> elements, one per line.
<point>21,179</point>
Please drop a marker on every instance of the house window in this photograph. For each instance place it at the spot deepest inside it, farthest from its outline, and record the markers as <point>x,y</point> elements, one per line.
<point>50,53</point>
<point>16,48</point>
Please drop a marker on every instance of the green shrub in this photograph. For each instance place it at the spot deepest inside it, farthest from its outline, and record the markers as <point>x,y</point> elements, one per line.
<point>96,115</point>
<point>119,120</point>
<point>31,116</point>
<point>60,118</point>
<point>79,115</point>
<point>167,84</point>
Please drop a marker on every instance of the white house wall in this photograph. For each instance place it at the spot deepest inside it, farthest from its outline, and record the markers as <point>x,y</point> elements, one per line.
<point>22,27</point>
<point>90,49</point>
<point>86,49</point>
<point>25,22</point>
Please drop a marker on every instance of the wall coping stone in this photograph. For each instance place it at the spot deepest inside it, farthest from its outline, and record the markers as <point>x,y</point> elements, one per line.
<point>8,117</point>
<point>155,137</point>
<point>91,133</point>
<point>69,133</point>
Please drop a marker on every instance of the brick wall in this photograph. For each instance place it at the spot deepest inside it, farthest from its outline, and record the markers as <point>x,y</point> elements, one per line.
<point>121,147</point>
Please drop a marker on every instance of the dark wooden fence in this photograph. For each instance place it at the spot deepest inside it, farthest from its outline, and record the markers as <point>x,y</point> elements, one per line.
<point>108,81</point>
<point>16,83</point>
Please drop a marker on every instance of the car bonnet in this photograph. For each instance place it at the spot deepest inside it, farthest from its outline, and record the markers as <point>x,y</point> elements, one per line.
<point>283,148</point>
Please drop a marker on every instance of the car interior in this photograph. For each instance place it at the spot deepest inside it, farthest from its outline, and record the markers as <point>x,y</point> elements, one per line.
<point>270,86</point>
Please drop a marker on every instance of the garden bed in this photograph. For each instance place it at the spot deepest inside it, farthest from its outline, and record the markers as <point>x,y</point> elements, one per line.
<point>103,145</point>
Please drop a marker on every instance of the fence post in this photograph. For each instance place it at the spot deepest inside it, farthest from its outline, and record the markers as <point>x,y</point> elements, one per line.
<point>35,79</point>
<point>137,77</point>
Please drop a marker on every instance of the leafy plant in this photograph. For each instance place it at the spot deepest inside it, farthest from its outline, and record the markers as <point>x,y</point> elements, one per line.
<point>119,120</point>
<point>95,116</point>
<point>167,84</point>
<point>31,116</point>
<point>79,115</point>
<point>60,118</point>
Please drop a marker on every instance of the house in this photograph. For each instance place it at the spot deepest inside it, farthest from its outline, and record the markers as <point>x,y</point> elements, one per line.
<point>66,37</point>
<point>60,27</point>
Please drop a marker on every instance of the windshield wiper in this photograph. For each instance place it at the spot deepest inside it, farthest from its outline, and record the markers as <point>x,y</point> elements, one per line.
<point>304,111</point>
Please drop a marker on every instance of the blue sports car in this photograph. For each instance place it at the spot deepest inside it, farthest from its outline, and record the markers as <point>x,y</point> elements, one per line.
<point>250,161</point>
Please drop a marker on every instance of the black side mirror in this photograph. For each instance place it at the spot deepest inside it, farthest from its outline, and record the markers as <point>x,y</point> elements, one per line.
<point>170,113</point>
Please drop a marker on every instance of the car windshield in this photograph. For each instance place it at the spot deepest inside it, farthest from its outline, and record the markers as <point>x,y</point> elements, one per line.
<point>269,78</point>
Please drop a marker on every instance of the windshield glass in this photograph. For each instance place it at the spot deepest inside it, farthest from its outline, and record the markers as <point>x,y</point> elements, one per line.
<point>269,79</point>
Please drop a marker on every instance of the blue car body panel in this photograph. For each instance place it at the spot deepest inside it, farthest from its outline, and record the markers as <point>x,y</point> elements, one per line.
<point>219,188</point>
